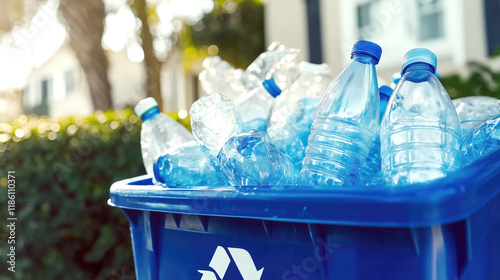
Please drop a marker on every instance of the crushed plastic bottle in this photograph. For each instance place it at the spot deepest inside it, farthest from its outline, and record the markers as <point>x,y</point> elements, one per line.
<point>186,165</point>
<point>420,132</point>
<point>344,123</point>
<point>214,120</point>
<point>158,133</point>
<point>218,76</point>
<point>474,109</point>
<point>371,173</point>
<point>268,60</point>
<point>481,140</point>
<point>292,114</point>
<point>251,159</point>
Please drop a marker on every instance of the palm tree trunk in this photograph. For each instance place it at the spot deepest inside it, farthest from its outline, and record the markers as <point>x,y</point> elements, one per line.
<point>152,64</point>
<point>85,26</point>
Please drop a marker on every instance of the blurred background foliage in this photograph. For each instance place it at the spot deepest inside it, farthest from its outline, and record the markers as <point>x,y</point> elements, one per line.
<point>234,30</point>
<point>481,81</point>
<point>63,169</point>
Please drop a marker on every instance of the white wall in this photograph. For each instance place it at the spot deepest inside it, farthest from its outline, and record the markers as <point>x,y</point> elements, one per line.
<point>286,22</point>
<point>77,102</point>
<point>126,79</point>
<point>395,28</point>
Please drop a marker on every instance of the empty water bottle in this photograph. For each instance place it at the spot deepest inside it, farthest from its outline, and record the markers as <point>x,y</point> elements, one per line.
<point>481,140</point>
<point>292,114</point>
<point>474,109</point>
<point>420,132</point>
<point>214,77</point>
<point>158,133</point>
<point>251,159</point>
<point>371,171</point>
<point>186,165</point>
<point>214,120</point>
<point>266,61</point>
<point>396,77</point>
<point>279,67</point>
<point>254,108</point>
<point>345,122</point>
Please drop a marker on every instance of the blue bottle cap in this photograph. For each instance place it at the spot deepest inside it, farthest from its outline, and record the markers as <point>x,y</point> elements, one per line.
<point>396,77</point>
<point>369,48</point>
<point>157,173</point>
<point>419,56</point>
<point>271,87</point>
<point>385,91</point>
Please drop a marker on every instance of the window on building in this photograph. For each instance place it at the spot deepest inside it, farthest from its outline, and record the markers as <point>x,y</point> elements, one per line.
<point>69,77</point>
<point>364,14</point>
<point>431,19</point>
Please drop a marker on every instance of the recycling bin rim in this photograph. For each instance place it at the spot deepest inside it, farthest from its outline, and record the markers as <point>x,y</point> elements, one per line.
<point>442,201</point>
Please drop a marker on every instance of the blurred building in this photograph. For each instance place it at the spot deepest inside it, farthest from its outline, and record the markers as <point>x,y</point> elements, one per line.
<point>11,104</point>
<point>458,31</point>
<point>59,88</point>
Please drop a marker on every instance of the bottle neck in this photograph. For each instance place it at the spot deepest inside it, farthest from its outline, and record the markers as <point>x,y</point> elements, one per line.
<point>149,114</point>
<point>364,58</point>
<point>418,66</point>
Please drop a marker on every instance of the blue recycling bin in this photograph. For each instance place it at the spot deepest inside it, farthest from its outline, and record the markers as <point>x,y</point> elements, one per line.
<point>447,229</point>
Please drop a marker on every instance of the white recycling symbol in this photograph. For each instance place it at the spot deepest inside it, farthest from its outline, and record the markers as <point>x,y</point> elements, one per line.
<point>220,263</point>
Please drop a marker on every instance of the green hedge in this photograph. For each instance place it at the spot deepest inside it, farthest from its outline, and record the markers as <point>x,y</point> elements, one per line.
<point>481,80</point>
<point>63,169</point>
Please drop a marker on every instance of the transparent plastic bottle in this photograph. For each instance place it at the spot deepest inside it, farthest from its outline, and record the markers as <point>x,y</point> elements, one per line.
<point>186,165</point>
<point>292,115</point>
<point>396,77</point>
<point>481,140</point>
<point>254,108</point>
<point>345,122</point>
<point>266,61</point>
<point>371,173</point>
<point>251,159</point>
<point>474,109</point>
<point>420,132</point>
<point>279,68</point>
<point>214,120</point>
<point>158,133</point>
<point>218,76</point>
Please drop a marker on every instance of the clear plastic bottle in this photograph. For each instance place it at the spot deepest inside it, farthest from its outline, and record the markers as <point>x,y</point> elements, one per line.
<point>474,109</point>
<point>266,61</point>
<point>481,140</point>
<point>420,132</point>
<point>254,108</point>
<point>292,115</point>
<point>214,120</point>
<point>371,173</point>
<point>186,165</point>
<point>218,76</point>
<point>344,123</point>
<point>251,159</point>
<point>158,133</point>
<point>277,68</point>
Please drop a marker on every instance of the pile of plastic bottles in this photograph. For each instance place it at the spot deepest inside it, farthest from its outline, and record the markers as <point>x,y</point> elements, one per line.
<point>282,122</point>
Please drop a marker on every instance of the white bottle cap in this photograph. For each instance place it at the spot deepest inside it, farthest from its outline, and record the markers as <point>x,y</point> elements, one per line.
<point>314,68</point>
<point>144,105</point>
